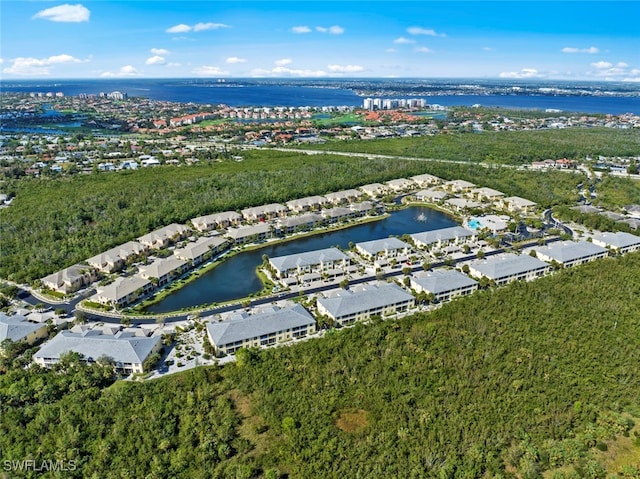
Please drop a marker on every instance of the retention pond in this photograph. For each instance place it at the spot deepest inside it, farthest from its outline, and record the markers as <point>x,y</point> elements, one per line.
<point>236,277</point>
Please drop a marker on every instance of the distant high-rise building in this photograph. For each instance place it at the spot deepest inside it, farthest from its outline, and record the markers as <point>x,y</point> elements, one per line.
<point>368,104</point>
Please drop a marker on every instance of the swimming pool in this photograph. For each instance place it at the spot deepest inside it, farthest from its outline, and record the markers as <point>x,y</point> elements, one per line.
<point>474,224</point>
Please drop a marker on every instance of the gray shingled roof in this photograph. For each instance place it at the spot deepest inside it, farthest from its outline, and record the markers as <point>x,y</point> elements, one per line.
<point>371,297</point>
<point>620,239</point>
<point>16,328</point>
<point>443,281</point>
<point>164,233</point>
<point>567,251</point>
<point>70,274</point>
<point>377,246</point>
<point>284,263</point>
<point>444,234</point>
<point>519,202</point>
<point>247,231</point>
<point>161,267</point>
<point>122,347</point>
<point>506,265</point>
<point>122,287</point>
<point>121,252</point>
<point>209,220</point>
<point>199,247</point>
<point>304,219</point>
<point>256,325</point>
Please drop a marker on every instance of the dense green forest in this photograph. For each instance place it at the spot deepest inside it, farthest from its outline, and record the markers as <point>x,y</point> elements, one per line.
<point>507,383</point>
<point>514,147</point>
<point>56,222</point>
<point>615,191</point>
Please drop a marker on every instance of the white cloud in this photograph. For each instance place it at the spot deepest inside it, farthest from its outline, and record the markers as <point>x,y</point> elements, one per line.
<point>345,68</point>
<point>391,50</point>
<point>155,60</point>
<point>280,71</point>
<point>336,30</point>
<point>322,29</point>
<point>37,66</point>
<point>524,73</point>
<point>423,50</point>
<point>403,40</point>
<point>173,65</point>
<point>424,31</point>
<point>487,49</point>
<point>180,28</point>
<point>601,65</point>
<point>65,13</point>
<point>1,61</point>
<point>283,61</point>
<point>233,60</point>
<point>124,72</point>
<point>159,51</point>
<point>199,27</point>
<point>590,50</point>
<point>620,71</point>
<point>206,70</point>
<point>301,29</point>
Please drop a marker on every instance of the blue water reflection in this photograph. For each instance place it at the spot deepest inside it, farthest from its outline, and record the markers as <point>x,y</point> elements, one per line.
<point>236,277</point>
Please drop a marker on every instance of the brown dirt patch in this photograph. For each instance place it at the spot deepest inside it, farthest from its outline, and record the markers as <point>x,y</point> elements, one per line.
<point>353,421</point>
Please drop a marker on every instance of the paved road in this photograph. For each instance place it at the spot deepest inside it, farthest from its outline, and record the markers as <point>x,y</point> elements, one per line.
<point>96,316</point>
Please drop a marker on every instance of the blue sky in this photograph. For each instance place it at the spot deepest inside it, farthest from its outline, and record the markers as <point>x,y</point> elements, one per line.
<point>580,40</point>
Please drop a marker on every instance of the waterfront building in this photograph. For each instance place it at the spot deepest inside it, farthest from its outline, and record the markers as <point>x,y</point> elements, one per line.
<point>620,242</point>
<point>508,267</point>
<point>363,208</point>
<point>383,248</point>
<point>127,349</point>
<point>71,279</point>
<point>123,291</point>
<point>199,251</point>
<point>444,284</point>
<point>443,237</point>
<point>250,234</point>
<point>363,301</point>
<point>319,261</point>
<point>570,253</point>
<point>266,327</point>
<point>337,214</point>
<point>114,259</point>
<point>462,204</point>
<point>304,222</point>
<point>164,270</point>
<point>431,195</point>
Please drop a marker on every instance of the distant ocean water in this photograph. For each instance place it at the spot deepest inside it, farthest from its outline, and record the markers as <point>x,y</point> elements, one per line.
<point>273,94</point>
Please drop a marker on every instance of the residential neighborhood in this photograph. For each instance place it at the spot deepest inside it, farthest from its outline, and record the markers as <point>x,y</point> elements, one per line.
<point>134,271</point>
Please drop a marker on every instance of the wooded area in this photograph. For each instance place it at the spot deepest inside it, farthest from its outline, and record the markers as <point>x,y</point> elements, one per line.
<point>506,383</point>
<point>509,147</point>
<point>56,222</point>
